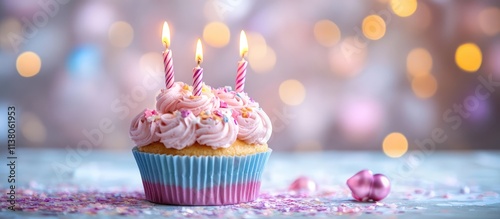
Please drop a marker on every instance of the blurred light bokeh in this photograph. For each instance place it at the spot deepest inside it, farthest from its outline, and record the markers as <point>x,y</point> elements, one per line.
<point>377,75</point>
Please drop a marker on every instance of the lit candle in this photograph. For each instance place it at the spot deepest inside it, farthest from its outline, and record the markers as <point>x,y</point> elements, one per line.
<point>242,65</point>
<point>167,57</point>
<point>198,71</point>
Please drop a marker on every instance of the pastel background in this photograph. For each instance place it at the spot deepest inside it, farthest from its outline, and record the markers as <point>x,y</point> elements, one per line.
<point>342,75</point>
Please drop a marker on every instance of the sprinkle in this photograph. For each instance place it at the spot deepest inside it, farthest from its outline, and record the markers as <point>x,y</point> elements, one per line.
<point>217,113</point>
<point>151,115</point>
<point>185,113</point>
<point>205,89</point>
<point>204,115</point>
<point>196,120</point>
<point>225,119</point>
<point>223,104</point>
<point>70,201</point>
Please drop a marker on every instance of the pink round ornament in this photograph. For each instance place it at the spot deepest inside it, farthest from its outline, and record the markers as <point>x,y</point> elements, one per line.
<point>303,184</point>
<point>365,186</point>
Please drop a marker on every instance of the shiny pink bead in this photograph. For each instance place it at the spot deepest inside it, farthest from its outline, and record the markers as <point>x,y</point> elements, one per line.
<point>365,186</point>
<point>303,184</point>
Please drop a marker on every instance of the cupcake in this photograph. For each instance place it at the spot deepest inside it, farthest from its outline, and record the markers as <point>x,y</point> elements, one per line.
<point>209,149</point>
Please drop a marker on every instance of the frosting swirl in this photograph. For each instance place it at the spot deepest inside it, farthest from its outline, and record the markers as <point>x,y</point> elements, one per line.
<point>167,99</point>
<point>180,97</point>
<point>217,129</point>
<point>254,125</point>
<point>144,128</point>
<point>216,119</point>
<point>231,99</point>
<point>177,130</point>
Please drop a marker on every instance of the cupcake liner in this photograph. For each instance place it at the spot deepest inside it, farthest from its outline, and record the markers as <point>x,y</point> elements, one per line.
<point>201,180</point>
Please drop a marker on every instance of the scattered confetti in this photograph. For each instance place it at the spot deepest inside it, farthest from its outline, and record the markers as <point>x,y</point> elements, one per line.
<point>133,203</point>
<point>67,199</point>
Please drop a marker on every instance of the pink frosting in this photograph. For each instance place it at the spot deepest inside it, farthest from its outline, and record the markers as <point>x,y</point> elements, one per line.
<point>144,128</point>
<point>167,99</point>
<point>217,129</point>
<point>180,97</point>
<point>234,100</point>
<point>216,118</point>
<point>197,104</point>
<point>254,125</point>
<point>177,130</point>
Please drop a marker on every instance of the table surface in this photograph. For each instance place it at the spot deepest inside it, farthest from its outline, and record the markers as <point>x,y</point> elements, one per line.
<point>56,183</point>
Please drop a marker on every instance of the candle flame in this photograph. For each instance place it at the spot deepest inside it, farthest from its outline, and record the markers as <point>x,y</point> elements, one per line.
<point>199,52</point>
<point>243,44</point>
<point>165,36</point>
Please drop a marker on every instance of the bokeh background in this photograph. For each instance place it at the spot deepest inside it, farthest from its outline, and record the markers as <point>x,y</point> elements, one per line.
<point>372,75</point>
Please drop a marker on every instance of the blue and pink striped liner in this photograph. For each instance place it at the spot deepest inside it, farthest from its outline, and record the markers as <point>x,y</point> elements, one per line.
<point>201,180</point>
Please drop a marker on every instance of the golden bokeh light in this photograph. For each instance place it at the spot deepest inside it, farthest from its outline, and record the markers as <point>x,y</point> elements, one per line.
<point>418,62</point>
<point>255,39</point>
<point>395,145</point>
<point>32,128</point>
<point>489,21</point>
<point>468,57</point>
<point>258,44</point>
<point>292,92</point>
<point>9,27</point>
<point>404,8</point>
<point>262,59</point>
<point>216,34</point>
<point>120,34</point>
<point>424,86</point>
<point>327,33</point>
<point>373,27</point>
<point>151,61</point>
<point>349,58</point>
<point>28,64</point>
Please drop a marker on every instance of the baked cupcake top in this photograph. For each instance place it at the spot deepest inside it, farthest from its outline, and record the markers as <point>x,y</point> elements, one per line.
<point>216,119</point>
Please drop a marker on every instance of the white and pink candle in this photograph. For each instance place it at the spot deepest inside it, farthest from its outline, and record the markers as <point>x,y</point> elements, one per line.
<point>198,71</point>
<point>242,65</point>
<point>167,57</point>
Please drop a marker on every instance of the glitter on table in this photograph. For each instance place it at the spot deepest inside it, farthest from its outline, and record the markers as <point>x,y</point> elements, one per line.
<point>445,184</point>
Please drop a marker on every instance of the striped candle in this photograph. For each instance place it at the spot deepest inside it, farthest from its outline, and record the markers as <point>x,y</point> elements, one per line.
<point>240,77</point>
<point>242,65</point>
<point>167,57</point>
<point>197,80</point>
<point>198,71</point>
<point>169,68</point>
